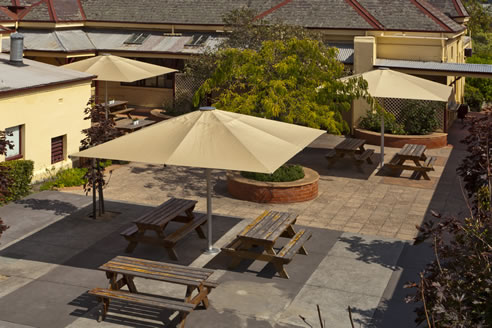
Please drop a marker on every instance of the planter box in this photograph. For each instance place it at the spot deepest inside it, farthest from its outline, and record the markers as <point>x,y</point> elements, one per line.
<point>434,140</point>
<point>274,192</point>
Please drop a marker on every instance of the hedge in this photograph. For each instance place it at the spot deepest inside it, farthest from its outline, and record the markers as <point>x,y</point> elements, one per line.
<point>285,173</point>
<point>19,173</point>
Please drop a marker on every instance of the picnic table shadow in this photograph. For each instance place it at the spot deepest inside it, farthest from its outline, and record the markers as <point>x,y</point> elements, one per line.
<point>79,241</point>
<point>314,158</point>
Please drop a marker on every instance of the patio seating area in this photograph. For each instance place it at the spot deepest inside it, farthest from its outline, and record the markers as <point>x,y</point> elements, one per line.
<point>360,250</point>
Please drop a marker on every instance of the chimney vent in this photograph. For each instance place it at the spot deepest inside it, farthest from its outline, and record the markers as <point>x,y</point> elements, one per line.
<point>16,48</point>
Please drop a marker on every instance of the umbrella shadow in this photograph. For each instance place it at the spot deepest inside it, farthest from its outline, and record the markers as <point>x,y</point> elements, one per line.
<point>184,181</point>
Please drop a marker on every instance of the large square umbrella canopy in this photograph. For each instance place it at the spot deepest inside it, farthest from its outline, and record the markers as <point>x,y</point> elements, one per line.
<point>211,139</point>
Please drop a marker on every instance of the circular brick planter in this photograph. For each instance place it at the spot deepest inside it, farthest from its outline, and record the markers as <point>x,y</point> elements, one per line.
<point>433,140</point>
<point>274,192</point>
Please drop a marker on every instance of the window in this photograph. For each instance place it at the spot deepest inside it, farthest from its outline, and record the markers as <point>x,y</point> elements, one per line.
<point>57,149</point>
<point>197,40</point>
<point>137,38</point>
<point>15,137</point>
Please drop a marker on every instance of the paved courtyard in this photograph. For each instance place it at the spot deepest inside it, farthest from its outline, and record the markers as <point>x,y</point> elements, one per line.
<point>360,255</point>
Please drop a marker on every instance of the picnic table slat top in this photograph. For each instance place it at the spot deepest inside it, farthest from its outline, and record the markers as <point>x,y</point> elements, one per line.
<point>165,212</point>
<point>157,270</point>
<point>350,144</point>
<point>268,226</point>
<point>412,150</point>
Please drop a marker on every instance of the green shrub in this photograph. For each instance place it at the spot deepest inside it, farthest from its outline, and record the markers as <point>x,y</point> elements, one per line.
<point>419,117</point>
<point>284,173</point>
<point>19,173</point>
<point>372,122</point>
<point>65,178</point>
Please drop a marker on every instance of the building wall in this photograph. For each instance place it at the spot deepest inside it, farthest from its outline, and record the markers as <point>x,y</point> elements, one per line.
<point>138,96</point>
<point>44,114</point>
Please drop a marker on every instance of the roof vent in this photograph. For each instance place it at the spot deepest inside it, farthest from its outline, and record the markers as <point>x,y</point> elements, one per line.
<point>197,40</point>
<point>16,49</point>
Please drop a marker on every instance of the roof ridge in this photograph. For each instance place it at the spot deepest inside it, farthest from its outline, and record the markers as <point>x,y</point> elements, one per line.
<point>271,10</point>
<point>82,12</point>
<point>9,13</point>
<point>364,13</point>
<point>28,9</point>
<point>458,9</point>
<point>51,10</point>
<point>428,12</point>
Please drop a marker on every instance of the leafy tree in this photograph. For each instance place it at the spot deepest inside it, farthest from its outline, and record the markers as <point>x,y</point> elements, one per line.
<point>478,90</point>
<point>480,16</point>
<point>455,289</point>
<point>4,178</point>
<point>294,81</point>
<point>102,130</point>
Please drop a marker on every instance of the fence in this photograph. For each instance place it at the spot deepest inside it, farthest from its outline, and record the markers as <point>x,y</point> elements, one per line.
<point>185,89</point>
<point>396,106</point>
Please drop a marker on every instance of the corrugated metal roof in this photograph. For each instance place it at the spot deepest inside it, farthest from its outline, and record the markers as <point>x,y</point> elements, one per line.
<point>80,40</point>
<point>34,74</point>
<point>345,52</point>
<point>435,66</point>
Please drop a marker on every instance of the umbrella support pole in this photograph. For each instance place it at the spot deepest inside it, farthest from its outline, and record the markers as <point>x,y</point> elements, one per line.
<point>381,164</point>
<point>210,249</point>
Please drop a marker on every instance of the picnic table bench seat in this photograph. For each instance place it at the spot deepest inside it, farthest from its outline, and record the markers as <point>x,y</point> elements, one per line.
<point>365,155</point>
<point>331,153</point>
<point>294,246</point>
<point>105,295</point>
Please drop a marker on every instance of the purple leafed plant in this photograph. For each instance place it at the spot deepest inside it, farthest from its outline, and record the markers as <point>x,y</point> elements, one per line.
<point>455,290</point>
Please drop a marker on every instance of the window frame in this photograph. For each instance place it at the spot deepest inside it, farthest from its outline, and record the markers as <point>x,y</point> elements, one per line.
<point>20,155</point>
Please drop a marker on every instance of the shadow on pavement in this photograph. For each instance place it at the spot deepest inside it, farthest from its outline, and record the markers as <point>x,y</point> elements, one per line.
<point>59,207</point>
<point>314,158</point>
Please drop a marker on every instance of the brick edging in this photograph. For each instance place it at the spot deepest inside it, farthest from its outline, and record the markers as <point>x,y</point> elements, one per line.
<point>434,140</point>
<point>274,192</point>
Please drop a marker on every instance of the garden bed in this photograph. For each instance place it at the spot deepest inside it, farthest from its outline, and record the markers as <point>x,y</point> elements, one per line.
<point>274,192</point>
<point>433,140</point>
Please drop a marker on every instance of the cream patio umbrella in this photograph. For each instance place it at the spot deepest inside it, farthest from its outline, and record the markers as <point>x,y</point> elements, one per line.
<point>210,139</point>
<point>117,69</point>
<point>386,83</point>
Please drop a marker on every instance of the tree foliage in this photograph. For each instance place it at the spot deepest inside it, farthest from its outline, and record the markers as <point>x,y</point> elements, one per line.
<point>455,289</point>
<point>4,177</point>
<point>480,16</point>
<point>294,81</point>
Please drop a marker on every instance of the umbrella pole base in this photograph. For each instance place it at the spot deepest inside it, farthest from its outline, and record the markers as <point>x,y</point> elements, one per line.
<point>211,250</point>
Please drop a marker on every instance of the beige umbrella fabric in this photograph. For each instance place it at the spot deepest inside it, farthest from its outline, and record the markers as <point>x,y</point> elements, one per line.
<point>118,69</point>
<point>385,83</point>
<point>211,139</point>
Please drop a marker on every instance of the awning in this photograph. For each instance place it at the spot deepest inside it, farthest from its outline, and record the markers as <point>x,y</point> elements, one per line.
<point>435,68</point>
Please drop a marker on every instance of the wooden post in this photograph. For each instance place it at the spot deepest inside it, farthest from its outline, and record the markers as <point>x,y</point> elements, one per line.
<point>100,189</point>
<point>93,191</point>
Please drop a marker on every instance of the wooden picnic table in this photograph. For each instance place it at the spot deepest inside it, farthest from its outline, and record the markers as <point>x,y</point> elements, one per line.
<point>414,153</point>
<point>118,107</point>
<point>265,231</point>
<point>130,126</point>
<point>122,270</point>
<point>158,219</point>
<point>351,147</point>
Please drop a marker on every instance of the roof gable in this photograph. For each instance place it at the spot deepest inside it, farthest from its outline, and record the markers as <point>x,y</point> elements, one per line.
<point>451,8</point>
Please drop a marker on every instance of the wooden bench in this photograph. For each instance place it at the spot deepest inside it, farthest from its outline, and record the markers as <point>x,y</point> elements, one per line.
<point>365,155</point>
<point>331,154</point>
<point>265,231</point>
<point>157,220</point>
<point>396,163</point>
<point>122,111</point>
<point>105,295</point>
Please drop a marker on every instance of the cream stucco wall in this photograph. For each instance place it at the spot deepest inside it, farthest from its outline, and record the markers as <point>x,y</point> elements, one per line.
<point>44,114</point>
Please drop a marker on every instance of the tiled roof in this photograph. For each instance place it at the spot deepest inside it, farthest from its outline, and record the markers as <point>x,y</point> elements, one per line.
<point>34,74</point>
<point>416,15</point>
<point>435,66</point>
<point>345,52</point>
<point>452,8</point>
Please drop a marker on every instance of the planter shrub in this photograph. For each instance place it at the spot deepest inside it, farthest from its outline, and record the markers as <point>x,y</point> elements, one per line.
<point>19,175</point>
<point>372,122</point>
<point>284,173</point>
<point>65,178</point>
<point>420,118</point>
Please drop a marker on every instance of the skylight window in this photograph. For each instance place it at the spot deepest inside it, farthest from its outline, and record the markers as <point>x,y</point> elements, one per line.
<point>197,40</point>
<point>137,38</point>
